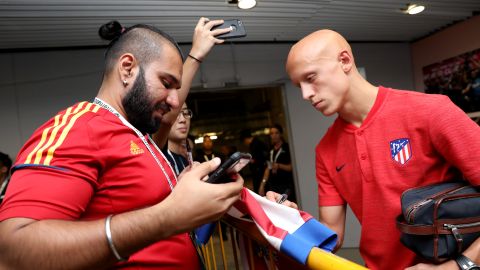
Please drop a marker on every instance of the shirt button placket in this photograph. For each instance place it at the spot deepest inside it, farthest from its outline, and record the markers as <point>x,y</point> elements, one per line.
<point>362,155</point>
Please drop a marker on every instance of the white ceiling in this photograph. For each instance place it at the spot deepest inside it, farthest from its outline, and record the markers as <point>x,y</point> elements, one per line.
<point>66,23</point>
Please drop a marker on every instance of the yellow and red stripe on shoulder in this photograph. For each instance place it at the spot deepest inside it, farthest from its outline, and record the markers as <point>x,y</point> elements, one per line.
<point>41,147</point>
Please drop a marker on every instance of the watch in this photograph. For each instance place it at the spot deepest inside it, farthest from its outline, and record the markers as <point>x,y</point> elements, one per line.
<point>465,263</point>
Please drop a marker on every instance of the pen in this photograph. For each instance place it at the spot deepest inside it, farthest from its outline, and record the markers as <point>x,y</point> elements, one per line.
<point>189,153</point>
<point>284,197</point>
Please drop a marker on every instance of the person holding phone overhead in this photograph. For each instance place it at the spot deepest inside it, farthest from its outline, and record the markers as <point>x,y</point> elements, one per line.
<point>278,176</point>
<point>99,194</point>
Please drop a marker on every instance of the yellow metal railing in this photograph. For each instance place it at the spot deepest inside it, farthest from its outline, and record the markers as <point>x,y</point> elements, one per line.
<point>322,260</point>
<point>230,257</point>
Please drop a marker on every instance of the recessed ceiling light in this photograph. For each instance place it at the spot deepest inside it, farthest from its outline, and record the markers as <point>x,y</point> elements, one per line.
<point>413,9</point>
<point>246,4</point>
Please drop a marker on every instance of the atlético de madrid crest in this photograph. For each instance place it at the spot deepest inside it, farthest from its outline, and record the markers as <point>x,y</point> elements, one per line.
<point>401,150</point>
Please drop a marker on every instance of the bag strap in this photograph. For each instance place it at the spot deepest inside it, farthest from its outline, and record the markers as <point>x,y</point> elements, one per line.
<point>404,227</point>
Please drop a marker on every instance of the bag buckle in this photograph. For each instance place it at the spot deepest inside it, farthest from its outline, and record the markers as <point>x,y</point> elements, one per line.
<point>456,234</point>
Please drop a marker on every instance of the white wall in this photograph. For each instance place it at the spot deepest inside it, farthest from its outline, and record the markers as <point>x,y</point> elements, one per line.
<point>39,84</point>
<point>35,85</point>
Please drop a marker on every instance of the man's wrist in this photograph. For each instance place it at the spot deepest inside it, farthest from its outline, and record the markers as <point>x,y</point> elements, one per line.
<point>198,53</point>
<point>465,263</point>
<point>108,233</point>
<point>195,58</point>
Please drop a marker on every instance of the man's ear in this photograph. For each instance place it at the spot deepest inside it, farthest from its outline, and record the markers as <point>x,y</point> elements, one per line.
<point>126,67</point>
<point>4,169</point>
<point>346,60</point>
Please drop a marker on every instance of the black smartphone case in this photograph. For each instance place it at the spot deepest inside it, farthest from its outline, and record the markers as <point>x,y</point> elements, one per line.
<point>220,175</point>
<point>237,32</point>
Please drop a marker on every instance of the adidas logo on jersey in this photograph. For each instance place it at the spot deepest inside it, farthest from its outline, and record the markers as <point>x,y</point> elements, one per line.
<point>134,149</point>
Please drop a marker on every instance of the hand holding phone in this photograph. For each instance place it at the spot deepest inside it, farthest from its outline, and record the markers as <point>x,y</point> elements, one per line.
<point>238,29</point>
<point>231,166</point>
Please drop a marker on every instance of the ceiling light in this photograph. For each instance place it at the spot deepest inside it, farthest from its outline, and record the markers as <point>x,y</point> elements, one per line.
<point>413,9</point>
<point>246,4</point>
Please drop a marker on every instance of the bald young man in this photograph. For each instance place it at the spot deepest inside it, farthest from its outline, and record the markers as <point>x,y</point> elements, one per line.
<point>383,142</point>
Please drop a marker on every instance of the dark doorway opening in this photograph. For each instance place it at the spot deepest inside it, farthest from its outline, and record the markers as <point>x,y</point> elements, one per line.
<point>224,113</point>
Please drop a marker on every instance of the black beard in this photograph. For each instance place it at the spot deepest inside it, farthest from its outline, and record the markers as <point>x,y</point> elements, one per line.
<point>138,107</point>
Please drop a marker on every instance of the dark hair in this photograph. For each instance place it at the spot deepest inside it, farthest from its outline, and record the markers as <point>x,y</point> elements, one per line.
<point>110,30</point>
<point>246,133</point>
<point>5,160</point>
<point>141,40</point>
<point>278,127</point>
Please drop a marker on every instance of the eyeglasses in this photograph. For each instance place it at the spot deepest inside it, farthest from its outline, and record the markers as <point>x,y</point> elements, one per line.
<point>187,113</point>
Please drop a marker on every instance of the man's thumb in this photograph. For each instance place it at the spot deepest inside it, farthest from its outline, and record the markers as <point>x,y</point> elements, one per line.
<point>206,168</point>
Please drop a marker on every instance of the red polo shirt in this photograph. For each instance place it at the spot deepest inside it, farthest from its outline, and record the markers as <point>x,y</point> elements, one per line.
<point>408,139</point>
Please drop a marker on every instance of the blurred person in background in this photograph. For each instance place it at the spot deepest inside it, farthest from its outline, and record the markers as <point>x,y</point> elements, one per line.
<point>258,163</point>
<point>278,176</point>
<point>5,165</point>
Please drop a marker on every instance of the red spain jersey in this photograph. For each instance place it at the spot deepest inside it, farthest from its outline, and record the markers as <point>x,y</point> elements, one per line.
<point>408,139</point>
<point>85,164</point>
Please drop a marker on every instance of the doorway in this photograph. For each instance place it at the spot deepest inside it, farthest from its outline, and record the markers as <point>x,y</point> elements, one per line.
<point>224,114</point>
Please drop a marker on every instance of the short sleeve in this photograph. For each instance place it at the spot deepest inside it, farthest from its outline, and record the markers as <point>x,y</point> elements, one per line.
<point>45,193</point>
<point>56,172</point>
<point>328,194</point>
<point>457,138</point>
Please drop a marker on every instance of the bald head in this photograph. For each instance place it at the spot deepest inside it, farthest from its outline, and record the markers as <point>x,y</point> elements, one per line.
<point>323,67</point>
<point>322,44</point>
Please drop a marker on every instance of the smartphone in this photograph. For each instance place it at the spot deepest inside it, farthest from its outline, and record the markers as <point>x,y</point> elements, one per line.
<point>238,29</point>
<point>232,165</point>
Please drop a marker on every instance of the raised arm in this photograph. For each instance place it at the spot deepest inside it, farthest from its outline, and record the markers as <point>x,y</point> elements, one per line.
<point>59,244</point>
<point>203,41</point>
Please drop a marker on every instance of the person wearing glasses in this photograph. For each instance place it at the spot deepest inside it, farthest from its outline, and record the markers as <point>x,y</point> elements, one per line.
<point>175,150</point>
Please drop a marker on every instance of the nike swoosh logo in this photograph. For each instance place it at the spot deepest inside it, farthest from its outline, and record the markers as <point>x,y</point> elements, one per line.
<point>339,168</point>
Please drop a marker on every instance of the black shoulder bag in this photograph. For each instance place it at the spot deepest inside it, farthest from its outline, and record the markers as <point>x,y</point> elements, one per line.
<point>440,221</point>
